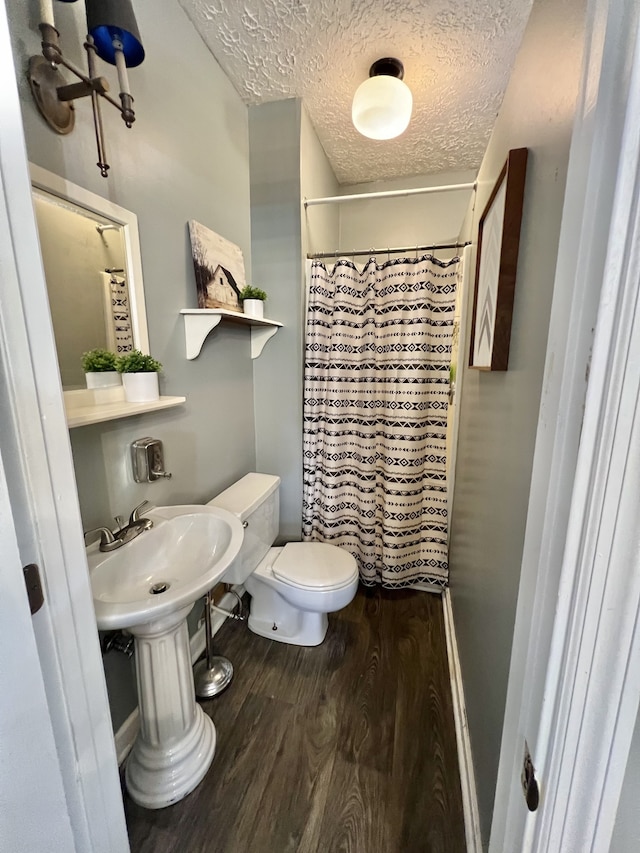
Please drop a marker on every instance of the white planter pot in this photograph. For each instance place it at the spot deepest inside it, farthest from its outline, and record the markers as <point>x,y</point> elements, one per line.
<point>253,308</point>
<point>106,379</point>
<point>140,387</point>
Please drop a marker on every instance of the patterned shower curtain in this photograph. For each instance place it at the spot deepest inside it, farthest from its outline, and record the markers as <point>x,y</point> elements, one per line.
<point>376,391</point>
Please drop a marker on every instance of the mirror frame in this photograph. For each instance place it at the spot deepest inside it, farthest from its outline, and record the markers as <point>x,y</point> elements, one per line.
<point>42,179</point>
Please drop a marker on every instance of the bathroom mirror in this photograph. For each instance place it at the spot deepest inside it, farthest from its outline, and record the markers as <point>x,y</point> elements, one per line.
<point>91,255</point>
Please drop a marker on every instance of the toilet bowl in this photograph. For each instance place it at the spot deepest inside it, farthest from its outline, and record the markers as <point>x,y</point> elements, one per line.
<point>293,587</point>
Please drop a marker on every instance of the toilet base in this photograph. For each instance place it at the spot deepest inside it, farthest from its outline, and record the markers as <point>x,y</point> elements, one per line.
<point>309,629</point>
<point>273,617</point>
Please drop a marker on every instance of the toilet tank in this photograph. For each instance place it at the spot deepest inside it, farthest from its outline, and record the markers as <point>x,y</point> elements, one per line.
<point>255,501</point>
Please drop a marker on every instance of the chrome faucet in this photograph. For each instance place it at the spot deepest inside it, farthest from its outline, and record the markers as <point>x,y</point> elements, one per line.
<point>135,517</point>
<point>137,524</point>
<point>110,539</point>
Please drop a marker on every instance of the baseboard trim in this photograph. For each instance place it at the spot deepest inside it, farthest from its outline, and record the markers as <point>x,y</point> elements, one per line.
<point>126,734</point>
<point>467,775</point>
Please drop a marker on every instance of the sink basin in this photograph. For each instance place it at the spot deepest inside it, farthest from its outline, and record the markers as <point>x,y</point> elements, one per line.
<point>182,556</point>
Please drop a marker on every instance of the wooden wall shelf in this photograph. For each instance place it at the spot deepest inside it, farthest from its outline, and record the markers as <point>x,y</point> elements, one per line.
<point>85,407</point>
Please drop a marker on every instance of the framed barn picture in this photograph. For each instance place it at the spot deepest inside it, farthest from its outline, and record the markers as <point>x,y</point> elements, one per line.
<point>496,267</point>
<point>219,268</point>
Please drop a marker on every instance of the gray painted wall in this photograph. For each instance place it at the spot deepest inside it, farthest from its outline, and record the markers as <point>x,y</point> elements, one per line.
<point>287,165</point>
<point>499,411</point>
<point>187,156</point>
<point>404,221</point>
<point>274,133</point>
<point>320,224</point>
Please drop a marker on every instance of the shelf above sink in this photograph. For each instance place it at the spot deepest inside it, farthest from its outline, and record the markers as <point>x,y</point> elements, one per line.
<point>199,322</point>
<point>84,406</point>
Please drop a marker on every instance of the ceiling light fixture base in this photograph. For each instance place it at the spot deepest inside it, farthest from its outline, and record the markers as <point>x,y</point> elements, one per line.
<point>389,65</point>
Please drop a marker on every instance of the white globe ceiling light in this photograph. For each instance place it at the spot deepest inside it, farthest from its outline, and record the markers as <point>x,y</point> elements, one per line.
<point>382,104</point>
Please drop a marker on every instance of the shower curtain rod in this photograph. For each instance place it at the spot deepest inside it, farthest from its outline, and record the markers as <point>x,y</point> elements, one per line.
<point>338,199</point>
<point>317,256</point>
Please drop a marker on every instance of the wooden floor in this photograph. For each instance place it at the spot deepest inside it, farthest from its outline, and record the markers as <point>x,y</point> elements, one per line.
<point>347,747</point>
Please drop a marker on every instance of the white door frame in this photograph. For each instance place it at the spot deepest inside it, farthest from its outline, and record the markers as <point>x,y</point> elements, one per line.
<point>574,683</point>
<point>44,501</point>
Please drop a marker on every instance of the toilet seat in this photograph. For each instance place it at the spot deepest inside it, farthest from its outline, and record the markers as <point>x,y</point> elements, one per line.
<point>314,565</point>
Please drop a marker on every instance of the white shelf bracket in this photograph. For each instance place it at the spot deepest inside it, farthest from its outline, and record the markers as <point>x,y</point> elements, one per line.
<point>197,327</point>
<point>259,337</point>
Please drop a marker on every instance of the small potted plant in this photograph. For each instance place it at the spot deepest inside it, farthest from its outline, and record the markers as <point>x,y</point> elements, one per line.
<point>139,376</point>
<point>253,301</point>
<point>99,366</point>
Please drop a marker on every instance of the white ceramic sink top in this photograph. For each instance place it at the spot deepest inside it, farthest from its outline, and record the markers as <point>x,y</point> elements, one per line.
<point>188,548</point>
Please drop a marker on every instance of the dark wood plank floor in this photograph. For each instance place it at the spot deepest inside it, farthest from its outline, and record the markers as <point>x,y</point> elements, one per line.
<point>345,748</point>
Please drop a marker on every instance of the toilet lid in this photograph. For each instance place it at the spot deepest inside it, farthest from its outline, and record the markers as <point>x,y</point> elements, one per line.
<point>314,565</point>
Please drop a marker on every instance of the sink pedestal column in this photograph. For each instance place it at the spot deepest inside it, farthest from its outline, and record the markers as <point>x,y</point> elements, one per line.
<point>175,745</point>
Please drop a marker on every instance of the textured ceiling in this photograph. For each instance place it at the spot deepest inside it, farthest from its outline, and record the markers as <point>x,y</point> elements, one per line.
<point>457,55</point>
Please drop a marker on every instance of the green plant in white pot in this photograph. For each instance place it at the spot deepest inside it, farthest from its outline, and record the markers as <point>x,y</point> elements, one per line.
<point>253,301</point>
<point>99,366</point>
<point>139,376</point>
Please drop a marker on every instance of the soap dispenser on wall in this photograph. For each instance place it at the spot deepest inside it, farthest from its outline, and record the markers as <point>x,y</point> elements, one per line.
<point>147,458</point>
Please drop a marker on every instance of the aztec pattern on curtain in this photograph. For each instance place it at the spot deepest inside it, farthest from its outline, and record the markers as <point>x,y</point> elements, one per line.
<point>117,313</point>
<point>376,393</point>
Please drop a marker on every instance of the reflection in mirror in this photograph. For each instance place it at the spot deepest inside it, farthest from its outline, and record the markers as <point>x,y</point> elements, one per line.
<point>91,258</point>
<point>83,258</point>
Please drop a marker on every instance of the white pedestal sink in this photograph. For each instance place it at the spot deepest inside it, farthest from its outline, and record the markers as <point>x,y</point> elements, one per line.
<point>183,555</point>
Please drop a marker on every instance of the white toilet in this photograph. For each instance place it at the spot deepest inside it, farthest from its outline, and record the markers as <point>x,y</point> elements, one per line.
<point>292,588</point>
